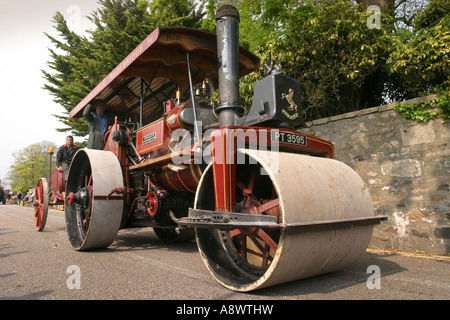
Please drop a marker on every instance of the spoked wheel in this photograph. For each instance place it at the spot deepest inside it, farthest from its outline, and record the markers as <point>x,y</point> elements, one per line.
<point>239,257</point>
<point>93,216</point>
<point>83,209</point>
<point>40,204</point>
<point>296,189</point>
<point>255,195</point>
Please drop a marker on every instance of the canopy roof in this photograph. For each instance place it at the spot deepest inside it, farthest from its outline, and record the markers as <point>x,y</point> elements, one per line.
<point>156,68</point>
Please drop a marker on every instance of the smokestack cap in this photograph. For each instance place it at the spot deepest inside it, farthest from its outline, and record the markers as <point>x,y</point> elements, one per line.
<point>227,10</point>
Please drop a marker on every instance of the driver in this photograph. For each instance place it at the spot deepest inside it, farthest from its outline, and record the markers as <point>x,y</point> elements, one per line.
<point>65,155</point>
<point>99,123</point>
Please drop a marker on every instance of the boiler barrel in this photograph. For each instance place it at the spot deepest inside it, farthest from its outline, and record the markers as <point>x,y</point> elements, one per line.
<point>178,178</point>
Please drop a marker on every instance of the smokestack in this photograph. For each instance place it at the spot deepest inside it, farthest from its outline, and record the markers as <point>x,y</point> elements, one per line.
<point>227,21</point>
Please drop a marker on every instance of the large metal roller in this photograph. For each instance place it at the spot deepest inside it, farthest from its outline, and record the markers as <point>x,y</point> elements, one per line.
<point>93,216</point>
<point>314,195</point>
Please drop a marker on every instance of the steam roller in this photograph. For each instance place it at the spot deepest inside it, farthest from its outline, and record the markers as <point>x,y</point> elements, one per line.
<point>317,202</point>
<point>265,203</point>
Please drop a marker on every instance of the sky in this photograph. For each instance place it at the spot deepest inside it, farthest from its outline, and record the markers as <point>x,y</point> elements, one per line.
<point>27,110</point>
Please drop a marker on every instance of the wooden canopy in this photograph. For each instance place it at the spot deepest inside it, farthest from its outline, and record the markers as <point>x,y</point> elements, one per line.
<point>156,68</point>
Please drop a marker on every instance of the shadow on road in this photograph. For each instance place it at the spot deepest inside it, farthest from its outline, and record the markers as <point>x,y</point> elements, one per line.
<point>145,239</point>
<point>354,275</point>
<point>32,296</point>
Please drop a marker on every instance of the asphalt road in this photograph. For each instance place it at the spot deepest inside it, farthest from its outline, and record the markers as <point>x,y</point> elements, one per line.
<point>43,266</point>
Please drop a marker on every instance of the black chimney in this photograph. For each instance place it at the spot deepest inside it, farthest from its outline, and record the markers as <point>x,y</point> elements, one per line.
<point>227,21</point>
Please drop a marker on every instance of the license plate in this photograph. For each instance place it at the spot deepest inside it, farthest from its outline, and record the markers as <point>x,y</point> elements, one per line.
<point>288,137</point>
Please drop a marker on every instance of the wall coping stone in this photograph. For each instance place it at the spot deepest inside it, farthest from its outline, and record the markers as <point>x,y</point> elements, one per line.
<point>358,113</point>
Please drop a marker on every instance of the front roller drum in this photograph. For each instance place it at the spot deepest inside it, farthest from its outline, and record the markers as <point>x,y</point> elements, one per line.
<point>92,214</point>
<point>296,189</point>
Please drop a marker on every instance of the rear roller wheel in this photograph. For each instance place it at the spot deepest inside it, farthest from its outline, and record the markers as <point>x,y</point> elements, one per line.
<point>40,204</point>
<point>92,216</point>
<point>295,189</point>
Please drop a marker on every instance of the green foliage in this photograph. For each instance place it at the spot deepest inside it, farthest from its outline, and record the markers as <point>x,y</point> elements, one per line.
<point>80,63</point>
<point>208,23</point>
<point>176,13</point>
<point>29,165</point>
<point>432,14</point>
<point>439,107</point>
<point>326,45</point>
<point>342,65</point>
<point>67,86</point>
<point>423,63</point>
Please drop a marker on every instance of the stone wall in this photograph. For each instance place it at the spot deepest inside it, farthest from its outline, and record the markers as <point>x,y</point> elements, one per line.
<point>406,165</point>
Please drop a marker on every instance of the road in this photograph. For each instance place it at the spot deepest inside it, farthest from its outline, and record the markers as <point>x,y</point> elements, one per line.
<point>43,266</point>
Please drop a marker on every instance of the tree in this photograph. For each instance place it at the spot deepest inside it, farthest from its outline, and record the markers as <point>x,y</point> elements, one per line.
<point>176,13</point>
<point>341,63</point>
<point>386,6</point>
<point>80,63</point>
<point>327,47</point>
<point>423,62</point>
<point>70,82</point>
<point>30,164</point>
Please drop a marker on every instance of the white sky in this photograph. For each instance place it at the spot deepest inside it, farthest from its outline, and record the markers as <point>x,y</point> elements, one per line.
<point>25,108</point>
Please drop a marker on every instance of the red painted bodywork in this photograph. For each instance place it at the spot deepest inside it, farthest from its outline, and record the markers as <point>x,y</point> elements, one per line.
<point>164,52</point>
<point>224,145</point>
<point>154,137</point>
